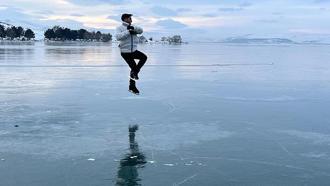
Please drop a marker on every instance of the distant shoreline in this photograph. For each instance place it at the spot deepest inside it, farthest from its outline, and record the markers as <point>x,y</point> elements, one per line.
<point>158,43</point>
<point>83,41</point>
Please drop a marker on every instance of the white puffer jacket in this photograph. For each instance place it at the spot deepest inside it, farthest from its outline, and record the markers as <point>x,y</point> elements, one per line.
<point>127,42</point>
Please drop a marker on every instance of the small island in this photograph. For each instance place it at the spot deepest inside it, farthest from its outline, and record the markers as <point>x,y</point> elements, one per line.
<point>14,33</point>
<point>176,39</point>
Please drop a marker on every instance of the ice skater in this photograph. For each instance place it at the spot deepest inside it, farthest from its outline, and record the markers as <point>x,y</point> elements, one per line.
<point>126,34</point>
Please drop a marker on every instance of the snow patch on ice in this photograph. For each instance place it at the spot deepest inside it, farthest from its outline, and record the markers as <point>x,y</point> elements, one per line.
<point>3,132</point>
<point>314,155</point>
<point>317,138</point>
<point>271,99</point>
<point>169,164</point>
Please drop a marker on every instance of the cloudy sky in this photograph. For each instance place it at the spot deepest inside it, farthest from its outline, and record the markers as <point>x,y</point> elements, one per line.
<point>193,19</point>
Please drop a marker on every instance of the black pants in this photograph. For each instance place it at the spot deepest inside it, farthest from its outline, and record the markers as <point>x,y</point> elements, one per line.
<point>129,58</point>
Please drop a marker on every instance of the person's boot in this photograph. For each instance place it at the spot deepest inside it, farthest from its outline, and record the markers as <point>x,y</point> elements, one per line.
<point>132,88</point>
<point>134,75</point>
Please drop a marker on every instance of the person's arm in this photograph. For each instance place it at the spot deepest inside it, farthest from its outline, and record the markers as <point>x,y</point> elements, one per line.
<point>138,30</point>
<point>121,34</point>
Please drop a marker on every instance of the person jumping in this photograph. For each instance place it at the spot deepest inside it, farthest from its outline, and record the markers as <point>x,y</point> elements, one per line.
<point>126,34</point>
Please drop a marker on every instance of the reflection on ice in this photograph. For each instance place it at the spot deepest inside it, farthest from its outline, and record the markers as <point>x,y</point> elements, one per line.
<point>131,162</point>
<point>68,139</point>
<point>175,135</point>
<point>229,114</point>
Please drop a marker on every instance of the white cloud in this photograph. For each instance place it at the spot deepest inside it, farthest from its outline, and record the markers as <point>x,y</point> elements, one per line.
<point>76,15</point>
<point>210,22</point>
<point>170,24</point>
<point>233,16</point>
<point>163,11</point>
<point>180,10</point>
<point>92,22</point>
<point>310,31</point>
<point>232,9</point>
<point>97,2</point>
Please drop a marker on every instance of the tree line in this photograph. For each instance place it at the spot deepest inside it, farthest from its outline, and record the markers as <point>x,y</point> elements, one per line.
<point>58,33</point>
<point>176,39</point>
<point>16,32</point>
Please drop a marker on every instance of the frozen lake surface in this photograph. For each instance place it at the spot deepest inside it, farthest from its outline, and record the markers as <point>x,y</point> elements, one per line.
<point>208,114</point>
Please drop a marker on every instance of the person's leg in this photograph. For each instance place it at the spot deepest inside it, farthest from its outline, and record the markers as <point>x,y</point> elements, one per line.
<point>128,57</point>
<point>142,59</point>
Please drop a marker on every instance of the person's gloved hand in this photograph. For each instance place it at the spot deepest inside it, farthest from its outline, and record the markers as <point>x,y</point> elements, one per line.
<point>129,27</point>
